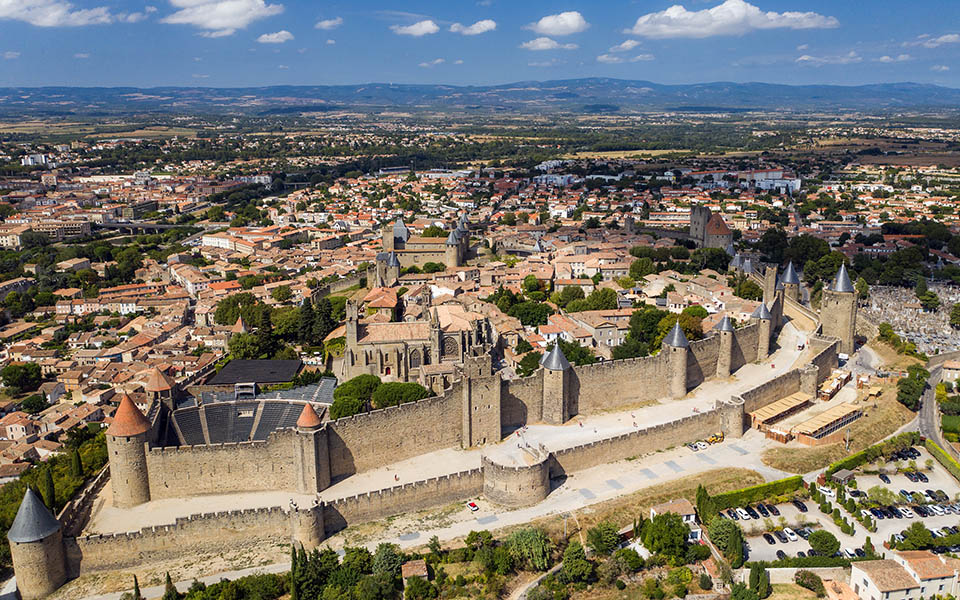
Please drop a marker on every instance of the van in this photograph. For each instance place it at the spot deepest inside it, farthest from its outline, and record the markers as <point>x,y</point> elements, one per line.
<point>744,515</point>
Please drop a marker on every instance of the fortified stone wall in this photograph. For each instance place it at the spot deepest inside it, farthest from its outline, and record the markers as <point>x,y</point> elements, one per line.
<point>702,360</point>
<point>939,359</point>
<point>402,498</point>
<point>208,532</point>
<point>826,358</point>
<point>338,285</point>
<point>517,486</point>
<point>746,344</point>
<point>614,384</point>
<point>223,468</point>
<point>635,443</point>
<point>521,401</point>
<point>362,442</point>
<point>771,391</point>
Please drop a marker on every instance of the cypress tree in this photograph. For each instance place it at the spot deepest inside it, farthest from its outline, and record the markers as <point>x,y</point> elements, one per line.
<point>76,464</point>
<point>169,591</point>
<point>736,549</point>
<point>763,587</point>
<point>136,589</point>
<point>294,568</point>
<point>47,490</point>
<point>305,322</point>
<point>754,577</point>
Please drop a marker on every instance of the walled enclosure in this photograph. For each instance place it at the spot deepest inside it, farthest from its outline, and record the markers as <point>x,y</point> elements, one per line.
<point>477,409</point>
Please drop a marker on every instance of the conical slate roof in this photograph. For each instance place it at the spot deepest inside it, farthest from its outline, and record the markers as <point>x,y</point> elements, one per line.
<point>33,521</point>
<point>730,249</point>
<point>724,325</point>
<point>842,282</point>
<point>128,420</point>
<point>675,338</point>
<point>452,238</point>
<point>555,360</point>
<point>239,326</point>
<point>392,260</point>
<point>790,275</point>
<point>747,266</point>
<point>400,230</point>
<point>762,312</point>
<point>308,417</point>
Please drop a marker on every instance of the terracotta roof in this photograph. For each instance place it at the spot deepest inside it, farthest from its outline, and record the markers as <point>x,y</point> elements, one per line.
<point>308,417</point>
<point>717,226</point>
<point>888,575</point>
<point>157,381</point>
<point>926,564</point>
<point>128,420</point>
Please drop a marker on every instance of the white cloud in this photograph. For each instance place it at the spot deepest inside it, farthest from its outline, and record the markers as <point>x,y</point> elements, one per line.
<point>612,59</point>
<point>82,55</point>
<point>940,68</point>
<point>893,59</point>
<point>545,43</point>
<point>625,46</point>
<point>200,76</point>
<point>553,62</point>
<point>458,61</point>
<point>10,55</point>
<point>564,23</point>
<point>331,42</point>
<point>283,67</point>
<point>328,24</point>
<point>803,47</point>
<point>278,37</point>
<point>418,29</point>
<point>53,13</point>
<point>733,17</point>
<point>220,18</point>
<point>476,29</point>
<point>432,63</point>
<point>817,61</point>
<point>927,41</point>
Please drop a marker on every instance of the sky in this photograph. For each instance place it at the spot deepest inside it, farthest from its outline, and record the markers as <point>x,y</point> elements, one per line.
<point>240,43</point>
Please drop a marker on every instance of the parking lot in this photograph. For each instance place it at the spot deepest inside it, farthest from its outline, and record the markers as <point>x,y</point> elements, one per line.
<point>790,516</point>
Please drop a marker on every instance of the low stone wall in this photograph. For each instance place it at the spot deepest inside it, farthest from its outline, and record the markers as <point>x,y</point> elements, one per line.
<point>938,359</point>
<point>207,532</point>
<point>785,574</point>
<point>408,497</point>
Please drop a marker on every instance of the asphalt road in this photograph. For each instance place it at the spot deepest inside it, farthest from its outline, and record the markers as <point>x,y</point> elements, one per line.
<point>928,409</point>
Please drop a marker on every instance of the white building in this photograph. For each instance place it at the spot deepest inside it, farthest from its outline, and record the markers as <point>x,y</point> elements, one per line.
<point>909,575</point>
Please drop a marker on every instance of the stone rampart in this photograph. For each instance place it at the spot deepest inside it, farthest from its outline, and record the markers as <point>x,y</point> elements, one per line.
<point>408,497</point>
<point>637,443</point>
<point>611,385</point>
<point>779,387</point>
<point>517,485</point>
<point>362,442</point>
<point>206,532</point>
<point>521,401</point>
<point>826,358</point>
<point>223,468</point>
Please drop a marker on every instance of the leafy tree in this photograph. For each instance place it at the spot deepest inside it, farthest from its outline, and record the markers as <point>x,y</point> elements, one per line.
<point>433,231</point>
<point>642,267</point>
<point>523,346</point>
<point>824,542</point>
<point>479,539</point>
<point>575,292</point>
<point>305,320</point>
<point>244,346</point>
<point>530,548</point>
<point>575,353</point>
<point>509,219</point>
<point>531,314</point>
<point>716,259</point>
<point>666,534</point>
<point>739,591</point>
<point>281,293</point>
<point>433,267</point>
<point>358,558</point>
<point>811,581</point>
<point>531,283</point>
<point>576,567</point>
<point>418,588</point>
<point>76,464</point>
<point>21,377</point>
<point>395,393</point>
<point>863,289</point>
<point>916,537</point>
<point>529,363</point>
<point>955,314</point>
<point>387,559</point>
<point>603,538</point>
<point>33,404</point>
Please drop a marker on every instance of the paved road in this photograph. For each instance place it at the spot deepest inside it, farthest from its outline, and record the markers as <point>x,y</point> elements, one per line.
<point>928,409</point>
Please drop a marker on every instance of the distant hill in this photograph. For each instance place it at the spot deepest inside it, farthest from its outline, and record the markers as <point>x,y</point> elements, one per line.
<point>587,96</point>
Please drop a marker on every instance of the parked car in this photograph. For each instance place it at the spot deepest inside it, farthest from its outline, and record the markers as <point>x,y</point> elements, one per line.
<point>791,534</point>
<point>763,510</point>
<point>911,476</point>
<point>856,493</point>
<point>781,537</point>
<point>906,512</point>
<point>473,506</point>
<point>936,510</point>
<point>942,496</point>
<point>733,514</point>
<point>884,478</point>
<point>753,514</point>
<point>859,552</point>
<point>804,532</point>
<point>703,445</point>
<point>922,477</point>
<point>781,555</point>
<point>769,539</point>
<point>800,506</point>
<point>773,510</point>
<point>905,494</point>
<point>931,494</point>
<point>743,514</point>
<point>849,553</point>
<point>827,491</point>
<point>876,513</point>
<point>800,554</point>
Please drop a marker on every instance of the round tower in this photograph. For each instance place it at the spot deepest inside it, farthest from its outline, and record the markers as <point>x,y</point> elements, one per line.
<point>36,549</point>
<point>676,346</point>
<point>311,460</point>
<point>838,310</point>
<point>307,527</point>
<point>556,406</point>
<point>451,254</point>
<point>791,283</point>
<point>725,356</point>
<point>764,318</point>
<point>160,387</point>
<point>127,452</point>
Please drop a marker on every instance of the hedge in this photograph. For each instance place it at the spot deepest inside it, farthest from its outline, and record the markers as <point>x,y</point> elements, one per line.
<point>951,423</point>
<point>798,562</point>
<point>874,452</point>
<point>758,492</point>
<point>943,458</point>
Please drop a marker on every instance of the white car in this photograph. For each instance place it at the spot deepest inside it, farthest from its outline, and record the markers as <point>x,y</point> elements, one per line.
<point>936,510</point>
<point>744,515</point>
<point>829,492</point>
<point>790,534</point>
<point>866,513</point>
<point>849,553</point>
<point>906,512</point>
<point>703,445</point>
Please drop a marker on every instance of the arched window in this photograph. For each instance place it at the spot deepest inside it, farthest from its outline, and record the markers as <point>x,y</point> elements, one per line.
<point>414,358</point>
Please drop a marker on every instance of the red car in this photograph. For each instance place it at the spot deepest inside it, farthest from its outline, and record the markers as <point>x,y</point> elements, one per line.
<point>473,506</point>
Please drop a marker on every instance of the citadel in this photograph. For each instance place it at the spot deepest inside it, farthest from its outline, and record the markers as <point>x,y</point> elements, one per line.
<point>277,445</point>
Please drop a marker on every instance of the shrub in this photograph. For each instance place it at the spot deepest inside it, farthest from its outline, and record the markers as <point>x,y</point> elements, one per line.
<point>824,542</point>
<point>705,582</point>
<point>758,492</point>
<point>603,538</point>
<point>811,581</point>
<point>943,458</point>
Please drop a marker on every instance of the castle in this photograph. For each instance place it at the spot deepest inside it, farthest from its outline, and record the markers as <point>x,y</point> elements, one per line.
<point>708,229</point>
<point>150,459</point>
<point>402,249</point>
